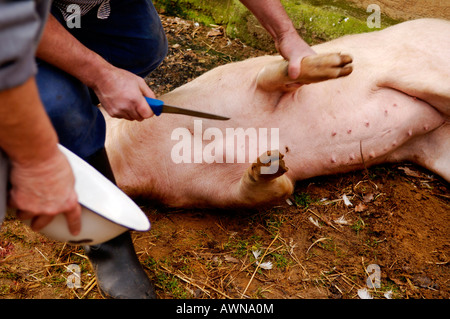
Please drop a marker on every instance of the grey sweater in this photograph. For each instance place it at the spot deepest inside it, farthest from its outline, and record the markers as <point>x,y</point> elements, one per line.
<point>21,24</point>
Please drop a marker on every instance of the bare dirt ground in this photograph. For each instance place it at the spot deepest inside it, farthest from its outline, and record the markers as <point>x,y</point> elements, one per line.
<point>410,9</point>
<point>312,246</point>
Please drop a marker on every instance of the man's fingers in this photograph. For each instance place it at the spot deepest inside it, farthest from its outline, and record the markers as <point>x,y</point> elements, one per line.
<point>143,110</point>
<point>74,220</point>
<point>23,215</point>
<point>39,222</point>
<point>294,68</point>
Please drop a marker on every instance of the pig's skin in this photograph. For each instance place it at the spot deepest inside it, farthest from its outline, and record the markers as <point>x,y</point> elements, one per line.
<point>394,106</point>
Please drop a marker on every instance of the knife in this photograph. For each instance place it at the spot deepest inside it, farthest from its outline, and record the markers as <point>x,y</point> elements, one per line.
<point>159,107</point>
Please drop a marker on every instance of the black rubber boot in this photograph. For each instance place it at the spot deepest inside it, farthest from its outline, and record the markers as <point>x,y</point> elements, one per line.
<point>117,268</point>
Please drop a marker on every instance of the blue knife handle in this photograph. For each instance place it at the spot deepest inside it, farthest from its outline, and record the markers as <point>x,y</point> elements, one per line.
<point>156,105</point>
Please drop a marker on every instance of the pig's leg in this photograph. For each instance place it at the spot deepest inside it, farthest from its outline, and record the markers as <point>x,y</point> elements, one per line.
<point>430,85</point>
<point>314,68</point>
<point>264,181</point>
<point>431,151</point>
<point>420,66</point>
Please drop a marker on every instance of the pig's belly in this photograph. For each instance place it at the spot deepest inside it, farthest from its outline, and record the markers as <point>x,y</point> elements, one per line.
<point>338,131</point>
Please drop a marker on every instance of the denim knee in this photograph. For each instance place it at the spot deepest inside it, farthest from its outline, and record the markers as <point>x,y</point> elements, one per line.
<point>78,122</point>
<point>153,52</point>
<point>131,38</point>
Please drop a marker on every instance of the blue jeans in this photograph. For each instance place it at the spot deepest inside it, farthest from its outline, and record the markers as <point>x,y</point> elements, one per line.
<point>131,38</point>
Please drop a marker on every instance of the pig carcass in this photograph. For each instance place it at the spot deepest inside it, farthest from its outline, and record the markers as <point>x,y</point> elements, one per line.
<point>390,104</point>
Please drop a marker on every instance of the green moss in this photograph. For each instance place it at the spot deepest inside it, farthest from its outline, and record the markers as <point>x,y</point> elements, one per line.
<point>316,20</point>
<point>327,20</point>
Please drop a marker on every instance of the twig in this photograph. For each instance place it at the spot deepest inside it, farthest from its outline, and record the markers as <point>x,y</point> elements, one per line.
<point>191,282</point>
<point>324,220</point>
<point>91,285</point>
<point>362,158</point>
<point>12,257</point>
<point>317,241</point>
<point>258,264</point>
<point>41,253</point>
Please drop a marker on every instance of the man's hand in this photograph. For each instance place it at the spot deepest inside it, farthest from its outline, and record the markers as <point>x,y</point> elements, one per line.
<point>41,177</point>
<point>41,191</point>
<point>273,17</point>
<point>293,48</point>
<point>121,94</point>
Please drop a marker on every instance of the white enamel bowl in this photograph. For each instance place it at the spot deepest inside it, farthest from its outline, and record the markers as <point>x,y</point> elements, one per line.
<point>106,210</point>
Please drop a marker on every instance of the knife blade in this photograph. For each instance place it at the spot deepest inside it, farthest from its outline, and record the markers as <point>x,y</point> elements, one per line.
<point>159,107</point>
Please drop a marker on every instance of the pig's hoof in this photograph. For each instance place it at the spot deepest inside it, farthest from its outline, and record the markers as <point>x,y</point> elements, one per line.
<point>321,67</point>
<point>264,181</point>
<point>268,166</point>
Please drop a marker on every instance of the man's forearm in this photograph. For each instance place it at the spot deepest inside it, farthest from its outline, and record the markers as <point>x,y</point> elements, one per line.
<point>120,92</point>
<point>26,133</point>
<point>272,16</point>
<point>71,55</point>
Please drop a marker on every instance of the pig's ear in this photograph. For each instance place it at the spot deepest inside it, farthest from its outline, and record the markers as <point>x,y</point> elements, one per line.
<point>314,68</point>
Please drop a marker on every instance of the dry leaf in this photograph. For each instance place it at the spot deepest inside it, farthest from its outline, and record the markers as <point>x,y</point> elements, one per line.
<point>215,32</point>
<point>364,294</point>
<point>314,221</point>
<point>410,172</point>
<point>346,201</point>
<point>231,259</point>
<point>341,220</point>
<point>256,253</point>
<point>368,198</point>
<point>266,265</point>
<point>360,208</point>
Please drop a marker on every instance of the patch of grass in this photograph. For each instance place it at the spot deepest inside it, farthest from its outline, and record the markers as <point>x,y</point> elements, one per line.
<point>281,261</point>
<point>165,279</point>
<point>4,290</point>
<point>10,275</point>
<point>358,226</point>
<point>302,199</point>
<point>172,285</point>
<point>317,21</point>
<point>241,247</point>
<point>274,223</point>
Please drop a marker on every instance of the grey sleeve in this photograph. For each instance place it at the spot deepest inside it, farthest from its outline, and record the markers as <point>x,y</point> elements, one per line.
<point>21,23</point>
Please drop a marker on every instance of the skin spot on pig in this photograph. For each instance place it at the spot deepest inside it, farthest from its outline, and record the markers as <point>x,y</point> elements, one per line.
<point>366,123</point>
<point>395,105</point>
<point>426,127</point>
<point>394,143</point>
<point>333,159</point>
<point>349,131</point>
<point>333,133</point>
<point>287,149</point>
